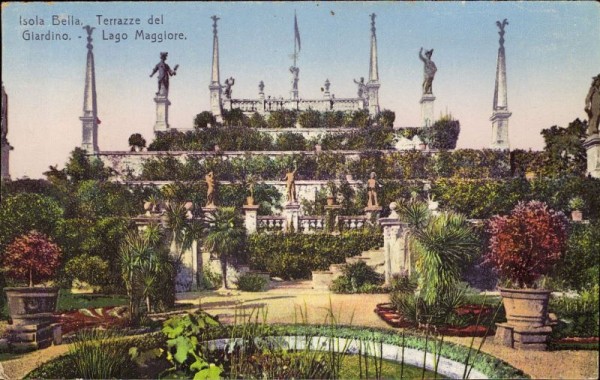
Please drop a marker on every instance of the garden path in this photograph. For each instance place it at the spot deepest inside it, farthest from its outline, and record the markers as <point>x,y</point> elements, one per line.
<point>285,299</point>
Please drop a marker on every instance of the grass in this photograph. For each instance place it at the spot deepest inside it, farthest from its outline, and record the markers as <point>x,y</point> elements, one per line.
<point>389,370</point>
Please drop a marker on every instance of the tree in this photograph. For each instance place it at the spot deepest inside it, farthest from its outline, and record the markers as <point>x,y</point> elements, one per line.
<point>444,246</point>
<point>225,237</point>
<point>137,141</point>
<point>32,257</point>
<point>443,134</point>
<point>203,119</point>
<point>235,117</point>
<point>564,149</point>
<point>526,244</point>
<point>386,118</point>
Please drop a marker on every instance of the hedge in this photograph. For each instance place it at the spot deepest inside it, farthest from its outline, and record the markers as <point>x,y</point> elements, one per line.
<point>295,255</point>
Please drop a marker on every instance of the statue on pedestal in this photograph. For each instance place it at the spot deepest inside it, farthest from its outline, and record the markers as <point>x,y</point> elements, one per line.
<point>295,77</point>
<point>592,106</point>
<point>228,84</point>
<point>362,87</point>
<point>429,70</point>
<point>290,179</point>
<point>210,191</point>
<point>164,72</point>
<point>372,186</point>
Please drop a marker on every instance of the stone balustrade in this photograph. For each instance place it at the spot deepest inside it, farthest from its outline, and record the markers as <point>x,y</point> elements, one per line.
<point>269,104</point>
<point>311,224</point>
<point>352,222</point>
<point>271,223</point>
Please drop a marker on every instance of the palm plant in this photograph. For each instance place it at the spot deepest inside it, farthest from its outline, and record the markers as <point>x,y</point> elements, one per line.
<point>136,248</point>
<point>416,214</point>
<point>443,246</point>
<point>225,236</point>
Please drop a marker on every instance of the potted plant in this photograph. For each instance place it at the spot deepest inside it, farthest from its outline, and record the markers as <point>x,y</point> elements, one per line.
<point>576,204</point>
<point>31,258</point>
<point>331,190</point>
<point>523,247</point>
<point>250,199</point>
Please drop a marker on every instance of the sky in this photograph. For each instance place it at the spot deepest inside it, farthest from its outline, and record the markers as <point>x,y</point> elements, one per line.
<point>552,53</point>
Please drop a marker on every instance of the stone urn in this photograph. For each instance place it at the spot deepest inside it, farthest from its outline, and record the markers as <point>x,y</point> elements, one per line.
<point>525,307</point>
<point>250,201</point>
<point>31,306</point>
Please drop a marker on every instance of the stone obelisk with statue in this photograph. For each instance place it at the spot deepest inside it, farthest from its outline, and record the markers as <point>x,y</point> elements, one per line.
<point>162,95</point>
<point>6,148</point>
<point>592,142</point>
<point>89,119</point>
<point>500,112</point>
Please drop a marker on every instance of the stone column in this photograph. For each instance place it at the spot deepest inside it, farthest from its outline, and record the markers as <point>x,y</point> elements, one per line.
<point>250,218</point>
<point>592,146</point>
<point>291,211</point>
<point>427,111</point>
<point>372,212</point>
<point>162,113</point>
<point>395,257</point>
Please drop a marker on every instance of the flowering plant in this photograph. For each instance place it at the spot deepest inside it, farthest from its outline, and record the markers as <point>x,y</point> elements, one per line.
<point>32,257</point>
<point>526,244</point>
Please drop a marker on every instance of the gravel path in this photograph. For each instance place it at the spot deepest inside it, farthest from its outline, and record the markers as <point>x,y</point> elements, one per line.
<point>288,301</point>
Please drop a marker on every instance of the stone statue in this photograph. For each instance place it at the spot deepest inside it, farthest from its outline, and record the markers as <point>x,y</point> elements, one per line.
<point>210,192</point>
<point>164,72</point>
<point>295,77</point>
<point>372,186</point>
<point>429,70</point>
<point>4,115</point>
<point>228,84</point>
<point>502,25</point>
<point>592,106</point>
<point>290,179</point>
<point>261,87</point>
<point>327,85</point>
<point>362,87</point>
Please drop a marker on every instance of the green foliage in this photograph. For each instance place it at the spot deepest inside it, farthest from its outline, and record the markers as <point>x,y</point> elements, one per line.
<point>578,268</point>
<point>97,354</point>
<point>210,280</point>
<point>576,203</point>
<point>257,121</point>
<point>90,269</point>
<point>564,149</point>
<point>445,245</point>
<point>136,141</point>
<point>578,317</point>
<point>203,119</point>
<point>386,118</point>
<point>234,117</point>
<point>441,311</point>
<point>294,256</point>
<point>290,141</point>
<point>251,283</point>
<point>310,119</point>
<point>21,213</point>
<point>282,119</point>
<point>357,278</point>
<point>443,134</point>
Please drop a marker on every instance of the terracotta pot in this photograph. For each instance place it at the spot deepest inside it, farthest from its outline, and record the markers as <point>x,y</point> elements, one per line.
<point>526,307</point>
<point>530,175</point>
<point>29,306</point>
<point>330,201</point>
<point>577,215</point>
<point>250,201</point>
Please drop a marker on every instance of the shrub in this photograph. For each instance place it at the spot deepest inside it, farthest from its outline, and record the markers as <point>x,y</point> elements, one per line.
<point>203,119</point>
<point>32,257</point>
<point>525,244</point>
<point>282,119</point>
<point>290,141</point>
<point>578,317</point>
<point>443,134</point>
<point>136,141</point>
<point>357,278</point>
<point>310,119</point>
<point>251,283</point>
<point>576,203</point>
<point>210,280</point>
<point>90,269</point>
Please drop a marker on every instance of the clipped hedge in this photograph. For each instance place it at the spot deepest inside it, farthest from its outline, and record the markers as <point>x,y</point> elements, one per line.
<point>295,255</point>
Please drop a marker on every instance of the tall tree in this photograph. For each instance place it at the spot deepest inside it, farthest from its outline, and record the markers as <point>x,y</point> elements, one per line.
<point>564,148</point>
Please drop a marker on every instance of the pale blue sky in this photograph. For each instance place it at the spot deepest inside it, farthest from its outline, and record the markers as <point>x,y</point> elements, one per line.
<point>553,50</point>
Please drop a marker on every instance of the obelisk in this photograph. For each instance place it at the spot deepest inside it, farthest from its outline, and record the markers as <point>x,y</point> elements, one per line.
<point>89,120</point>
<point>373,83</point>
<point>215,80</point>
<point>6,148</point>
<point>500,112</point>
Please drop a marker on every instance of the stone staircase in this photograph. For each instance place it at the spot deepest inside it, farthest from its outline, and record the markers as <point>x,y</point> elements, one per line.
<point>373,257</point>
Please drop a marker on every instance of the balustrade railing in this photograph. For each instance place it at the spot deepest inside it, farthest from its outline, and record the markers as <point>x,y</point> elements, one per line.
<point>310,224</point>
<point>273,104</point>
<point>271,223</point>
<point>352,222</point>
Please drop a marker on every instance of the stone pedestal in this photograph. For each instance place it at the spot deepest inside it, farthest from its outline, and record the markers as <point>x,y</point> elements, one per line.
<point>291,211</point>
<point>24,338</point>
<point>523,338</point>
<point>162,113</point>
<point>592,146</point>
<point>499,121</point>
<point>372,213</point>
<point>427,114</point>
<point>396,258</point>
<point>250,218</point>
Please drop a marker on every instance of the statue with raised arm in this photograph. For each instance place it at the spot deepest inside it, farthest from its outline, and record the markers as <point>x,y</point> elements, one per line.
<point>228,84</point>
<point>429,70</point>
<point>592,106</point>
<point>164,72</point>
<point>210,191</point>
<point>290,182</point>
<point>362,87</point>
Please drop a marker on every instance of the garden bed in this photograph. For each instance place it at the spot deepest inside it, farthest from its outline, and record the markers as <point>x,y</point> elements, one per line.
<point>391,316</point>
